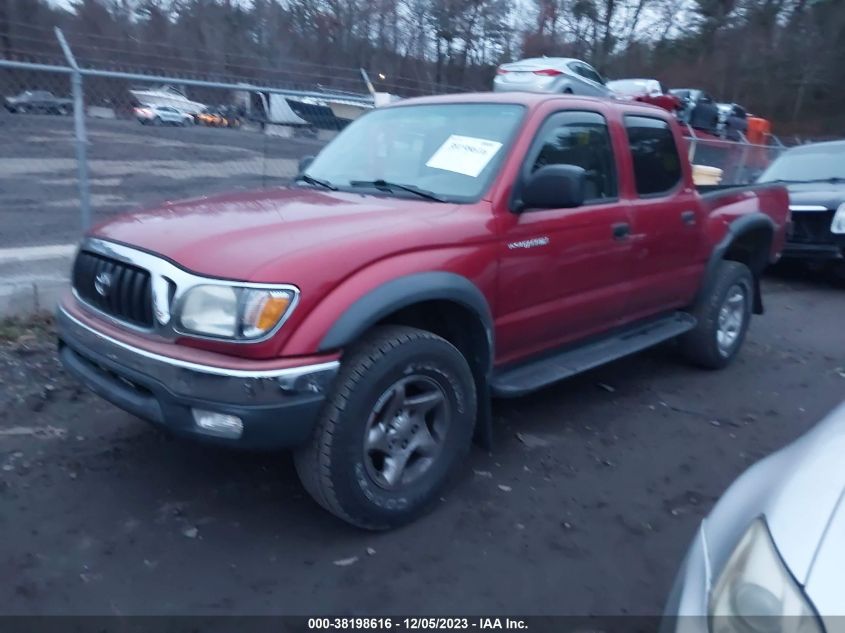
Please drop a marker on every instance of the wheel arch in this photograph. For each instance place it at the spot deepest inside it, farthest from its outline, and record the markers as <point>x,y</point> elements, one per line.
<point>443,303</point>
<point>747,241</point>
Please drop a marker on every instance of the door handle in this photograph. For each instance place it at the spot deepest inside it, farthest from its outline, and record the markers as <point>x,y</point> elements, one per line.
<point>688,217</point>
<point>621,230</point>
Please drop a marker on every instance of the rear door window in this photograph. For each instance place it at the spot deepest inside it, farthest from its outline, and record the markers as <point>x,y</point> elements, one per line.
<point>657,164</point>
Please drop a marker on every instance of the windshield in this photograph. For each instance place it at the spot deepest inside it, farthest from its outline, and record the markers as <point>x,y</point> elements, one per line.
<point>805,164</point>
<point>451,150</point>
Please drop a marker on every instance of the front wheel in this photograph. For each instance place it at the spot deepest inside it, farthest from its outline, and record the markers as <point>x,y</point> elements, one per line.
<point>398,423</point>
<point>723,315</point>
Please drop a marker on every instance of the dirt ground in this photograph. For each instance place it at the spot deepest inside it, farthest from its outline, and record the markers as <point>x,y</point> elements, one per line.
<point>585,506</point>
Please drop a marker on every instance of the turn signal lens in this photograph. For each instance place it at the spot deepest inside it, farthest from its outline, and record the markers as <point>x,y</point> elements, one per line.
<point>263,309</point>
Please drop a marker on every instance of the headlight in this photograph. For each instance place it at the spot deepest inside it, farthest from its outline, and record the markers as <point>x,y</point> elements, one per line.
<point>838,223</point>
<point>757,594</point>
<point>233,312</point>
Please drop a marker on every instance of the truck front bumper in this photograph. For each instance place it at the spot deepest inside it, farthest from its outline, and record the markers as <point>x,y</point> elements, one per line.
<point>255,409</point>
<point>816,252</point>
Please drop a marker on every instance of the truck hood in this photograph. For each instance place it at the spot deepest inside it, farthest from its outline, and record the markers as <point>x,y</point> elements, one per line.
<point>799,492</point>
<point>253,236</point>
<point>828,195</point>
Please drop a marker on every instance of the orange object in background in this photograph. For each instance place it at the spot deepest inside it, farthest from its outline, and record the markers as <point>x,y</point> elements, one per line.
<point>759,130</point>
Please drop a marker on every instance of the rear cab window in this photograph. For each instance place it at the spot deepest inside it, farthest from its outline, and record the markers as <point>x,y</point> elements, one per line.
<point>654,154</point>
<point>581,138</point>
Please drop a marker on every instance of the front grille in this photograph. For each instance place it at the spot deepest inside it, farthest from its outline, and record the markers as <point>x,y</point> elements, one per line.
<point>811,227</point>
<point>126,293</point>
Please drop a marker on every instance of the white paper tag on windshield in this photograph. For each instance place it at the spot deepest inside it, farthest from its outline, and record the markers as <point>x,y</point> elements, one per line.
<point>464,155</point>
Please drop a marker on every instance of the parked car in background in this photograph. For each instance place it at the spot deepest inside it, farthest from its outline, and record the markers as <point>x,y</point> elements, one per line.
<point>698,109</point>
<point>733,121</point>
<point>815,177</point>
<point>162,115</point>
<point>559,75</point>
<point>38,102</point>
<point>165,95</point>
<point>211,117</point>
<point>436,253</point>
<point>770,556</point>
<point>645,91</point>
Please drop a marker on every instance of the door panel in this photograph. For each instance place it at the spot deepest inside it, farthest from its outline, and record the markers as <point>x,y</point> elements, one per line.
<point>665,267</point>
<point>563,274</point>
<point>666,221</point>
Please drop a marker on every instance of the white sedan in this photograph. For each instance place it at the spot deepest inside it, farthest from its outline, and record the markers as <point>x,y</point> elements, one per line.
<point>770,557</point>
<point>162,115</point>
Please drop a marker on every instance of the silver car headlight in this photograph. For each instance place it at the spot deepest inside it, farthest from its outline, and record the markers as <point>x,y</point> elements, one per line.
<point>838,224</point>
<point>233,312</point>
<point>756,593</point>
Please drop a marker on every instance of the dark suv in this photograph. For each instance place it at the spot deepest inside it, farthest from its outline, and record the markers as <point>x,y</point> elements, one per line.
<point>815,177</point>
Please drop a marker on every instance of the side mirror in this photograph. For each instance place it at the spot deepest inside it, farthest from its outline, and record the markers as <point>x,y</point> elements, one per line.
<point>554,187</point>
<point>305,163</point>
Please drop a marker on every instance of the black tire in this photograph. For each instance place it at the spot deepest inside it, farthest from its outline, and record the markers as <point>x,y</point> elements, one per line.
<point>335,466</point>
<point>709,344</point>
<point>157,121</point>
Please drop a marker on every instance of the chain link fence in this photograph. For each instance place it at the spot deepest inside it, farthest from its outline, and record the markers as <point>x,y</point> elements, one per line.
<point>126,139</point>
<point>740,162</point>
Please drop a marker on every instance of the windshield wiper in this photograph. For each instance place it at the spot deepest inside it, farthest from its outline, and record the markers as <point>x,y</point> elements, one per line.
<point>384,185</point>
<point>325,184</point>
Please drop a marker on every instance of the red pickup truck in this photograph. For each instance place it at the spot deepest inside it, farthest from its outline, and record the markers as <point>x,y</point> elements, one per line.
<point>438,253</point>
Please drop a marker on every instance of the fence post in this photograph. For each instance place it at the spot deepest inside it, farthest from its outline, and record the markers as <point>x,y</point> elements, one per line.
<point>79,129</point>
<point>693,146</point>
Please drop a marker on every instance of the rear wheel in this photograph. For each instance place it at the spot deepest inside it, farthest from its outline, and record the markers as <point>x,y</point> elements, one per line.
<point>398,423</point>
<point>723,317</point>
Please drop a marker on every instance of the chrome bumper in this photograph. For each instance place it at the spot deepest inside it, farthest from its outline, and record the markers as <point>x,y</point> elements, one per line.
<point>278,407</point>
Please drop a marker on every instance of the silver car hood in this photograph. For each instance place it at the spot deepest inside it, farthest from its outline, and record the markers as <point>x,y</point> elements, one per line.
<point>799,491</point>
<point>826,583</point>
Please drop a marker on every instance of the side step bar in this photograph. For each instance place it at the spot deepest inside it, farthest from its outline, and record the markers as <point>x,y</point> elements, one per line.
<point>534,375</point>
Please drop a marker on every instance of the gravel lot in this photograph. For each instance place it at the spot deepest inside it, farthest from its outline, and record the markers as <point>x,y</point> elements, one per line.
<point>129,164</point>
<point>586,505</point>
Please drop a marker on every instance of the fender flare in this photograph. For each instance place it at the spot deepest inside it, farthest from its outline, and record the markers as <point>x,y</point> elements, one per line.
<point>402,292</point>
<point>737,229</point>
<point>416,288</point>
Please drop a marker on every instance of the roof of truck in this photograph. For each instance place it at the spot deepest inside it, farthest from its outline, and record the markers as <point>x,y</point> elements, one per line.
<point>530,100</point>
<point>521,98</point>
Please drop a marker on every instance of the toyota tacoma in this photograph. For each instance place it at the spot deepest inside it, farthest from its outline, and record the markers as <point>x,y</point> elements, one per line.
<point>437,254</point>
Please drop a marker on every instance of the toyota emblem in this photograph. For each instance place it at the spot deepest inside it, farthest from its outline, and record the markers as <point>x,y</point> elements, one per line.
<point>102,284</point>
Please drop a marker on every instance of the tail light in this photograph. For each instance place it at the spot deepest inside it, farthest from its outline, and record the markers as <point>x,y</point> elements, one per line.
<point>501,71</point>
<point>548,72</point>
